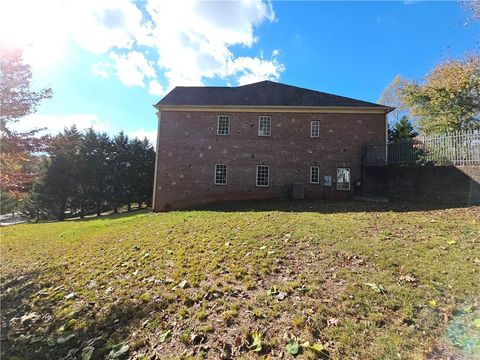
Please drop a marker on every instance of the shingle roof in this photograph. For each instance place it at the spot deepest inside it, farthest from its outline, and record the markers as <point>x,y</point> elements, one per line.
<point>264,93</point>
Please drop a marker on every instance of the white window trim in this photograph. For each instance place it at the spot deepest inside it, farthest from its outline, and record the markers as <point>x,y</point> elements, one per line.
<point>318,168</point>
<point>269,128</point>
<point>350,180</point>
<point>215,175</point>
<point>218,125</point>
<point>311,128</point>
<point>268,176</point>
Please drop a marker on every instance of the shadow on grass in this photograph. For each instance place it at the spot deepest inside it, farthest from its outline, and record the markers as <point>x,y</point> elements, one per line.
<point>324,207</point>
<point>32,329</point>
<point>111,216</point>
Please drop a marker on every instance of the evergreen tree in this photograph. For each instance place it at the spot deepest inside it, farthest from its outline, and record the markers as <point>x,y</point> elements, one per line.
<point>7,203</point>
<point>148,173</point>
<point>402,130</point>
<point>141,171</point>
<point>93,172</point>
<point>36,205</point>
<point>119,164</point>
<point>60,183</point>
<point>102,176</point>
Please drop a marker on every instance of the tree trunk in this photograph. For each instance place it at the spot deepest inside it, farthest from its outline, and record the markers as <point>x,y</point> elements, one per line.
<point>129,207</point>
<point>99,209</point>
<point>37,217</point>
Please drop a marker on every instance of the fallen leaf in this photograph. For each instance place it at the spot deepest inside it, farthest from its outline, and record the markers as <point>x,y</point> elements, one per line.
<point>70,296</point>
<point>293,347</point>
<point>182,285</point>
<point>64,338</point>
<point>476,322</point>
<point>272,291</point>
<point>332,322</point>
<point>316,348</point>
<point>29,317</point>
<point>451,242</point>
<point>257,342</point>
<point>281,295</point>
<point>408,278</point>
<point>87,352</point>
<point>165,335</point>
<point>377,288</point>
<point>118,350</point>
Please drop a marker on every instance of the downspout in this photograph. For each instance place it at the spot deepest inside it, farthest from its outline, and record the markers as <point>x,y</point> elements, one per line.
<point>159,115</point>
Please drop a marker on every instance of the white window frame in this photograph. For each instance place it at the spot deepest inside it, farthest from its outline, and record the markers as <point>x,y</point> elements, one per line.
<point>349,179</point>
<point>215,175</point>
<point>268,176</point>
<point>264,118</point>
<point>223,117</point>
<point>317,168</point>
<point>315,123</point>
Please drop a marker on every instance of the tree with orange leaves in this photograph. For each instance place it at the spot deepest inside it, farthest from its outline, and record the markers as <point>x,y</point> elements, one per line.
<point>18,165</point>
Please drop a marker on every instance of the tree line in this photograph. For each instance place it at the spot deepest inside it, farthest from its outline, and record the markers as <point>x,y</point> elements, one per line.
<point>71,174</point>
<point>90,173</point>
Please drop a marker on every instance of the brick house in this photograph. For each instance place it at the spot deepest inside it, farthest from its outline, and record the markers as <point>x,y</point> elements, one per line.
<point>255,141</point>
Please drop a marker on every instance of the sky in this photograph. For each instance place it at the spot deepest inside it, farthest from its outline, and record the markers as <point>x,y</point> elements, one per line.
<point>109,61</point>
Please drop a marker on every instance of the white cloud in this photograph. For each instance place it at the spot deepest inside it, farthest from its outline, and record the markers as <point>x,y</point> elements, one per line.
<point>190,40</point>
<point>141,134</point>
<point>132,68</point>
<point>56,123</point>
<point>251,70</point>
<point>101,69</point>
<point>99,26</point>
<point>155,88</point>
<point>193,38</point>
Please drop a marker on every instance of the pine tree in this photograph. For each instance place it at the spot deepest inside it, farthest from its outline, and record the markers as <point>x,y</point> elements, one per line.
<point>141,171</point>
<point>402,130</point>
<point>148,173</point>
<point>60,183</point>
<point>119,164</point>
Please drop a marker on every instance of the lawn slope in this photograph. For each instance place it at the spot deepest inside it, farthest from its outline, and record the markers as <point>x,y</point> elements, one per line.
<point>361,281</point>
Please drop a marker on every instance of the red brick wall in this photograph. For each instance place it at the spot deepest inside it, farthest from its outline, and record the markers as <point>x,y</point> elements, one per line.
<point>449,185</point>
<point>189,148</point>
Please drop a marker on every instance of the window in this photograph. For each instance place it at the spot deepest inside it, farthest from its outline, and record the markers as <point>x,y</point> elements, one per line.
<point>264,125</point>
<point>343,178</point>
<point>314,175</point>
<point>220,174</point>
<point>223,127</point>
<point>263,174</point>
<point>314,128</point>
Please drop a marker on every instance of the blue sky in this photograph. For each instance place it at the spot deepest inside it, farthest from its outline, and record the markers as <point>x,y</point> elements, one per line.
<point>109,61</point>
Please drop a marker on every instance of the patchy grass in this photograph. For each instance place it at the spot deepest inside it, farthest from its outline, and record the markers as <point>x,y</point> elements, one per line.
<point>363,281</point>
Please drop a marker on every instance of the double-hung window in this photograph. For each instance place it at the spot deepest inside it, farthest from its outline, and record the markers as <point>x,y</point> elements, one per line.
<point>343,179</point>
<point>314,175</point>
<point>314,128</point>
<point>220,174</point>
<point>264,125</point>
<point>223,126</point>
<point>263,175</point>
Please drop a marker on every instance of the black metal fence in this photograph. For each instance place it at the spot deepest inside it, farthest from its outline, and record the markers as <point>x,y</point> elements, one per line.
<point>459,148</point>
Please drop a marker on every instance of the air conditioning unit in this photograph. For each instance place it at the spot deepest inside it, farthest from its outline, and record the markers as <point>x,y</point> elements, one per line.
<point>296,191</point>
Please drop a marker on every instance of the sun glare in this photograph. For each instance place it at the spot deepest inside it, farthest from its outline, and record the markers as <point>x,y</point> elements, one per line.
<point>38,27</point>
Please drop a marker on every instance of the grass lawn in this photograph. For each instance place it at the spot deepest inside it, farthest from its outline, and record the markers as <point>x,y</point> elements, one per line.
<point>363,281</point>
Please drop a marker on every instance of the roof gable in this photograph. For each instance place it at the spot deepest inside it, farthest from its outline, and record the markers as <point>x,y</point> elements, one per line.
<point>264,93</point>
